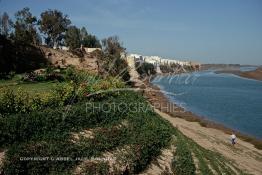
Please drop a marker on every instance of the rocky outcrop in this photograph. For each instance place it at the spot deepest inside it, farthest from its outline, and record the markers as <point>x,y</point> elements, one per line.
<point>63,58</point>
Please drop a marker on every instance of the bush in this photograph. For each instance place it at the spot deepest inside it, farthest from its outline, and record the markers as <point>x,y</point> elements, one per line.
<point>63,94</point>
<point>22,102</point>
<point>11,102</point>
<point>108,84</point>
<point>112,65</point>
<point>145,69</point>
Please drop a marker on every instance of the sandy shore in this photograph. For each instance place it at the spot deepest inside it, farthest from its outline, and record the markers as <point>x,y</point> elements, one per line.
<point>256,74</point>
<point>208,134</point>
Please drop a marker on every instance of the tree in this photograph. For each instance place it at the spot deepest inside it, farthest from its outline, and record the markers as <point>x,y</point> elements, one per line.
<point>112,46</point>
<point>54,24</point>
<point>73,37</point>
<point>5,24</point>
<point>91,41</point>
<point>25,30</point>
<point>110,62</point>
<point>88,40</point>
<point>83,34</point>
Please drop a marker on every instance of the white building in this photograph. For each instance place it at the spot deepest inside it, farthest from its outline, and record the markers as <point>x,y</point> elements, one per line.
<point>157,60</point>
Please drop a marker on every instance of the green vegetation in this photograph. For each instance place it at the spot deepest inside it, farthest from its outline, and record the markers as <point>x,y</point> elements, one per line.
<point>145,69</point>
<point>190,157</point>
<point>110,61</point>
<point>72,37</point>
<point>53,23</point>
<point>47,133</point>
<point>20,40</point>
<point>75,37</point>
<point>41,124</point>
<point>183,162</point>
<point>25,30</point>
<point>19,98</point>
<point>36,125</point>
<point>88,40</point>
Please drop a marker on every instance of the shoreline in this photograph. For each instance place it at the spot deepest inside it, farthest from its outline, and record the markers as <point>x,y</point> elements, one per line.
<point>159,100</point>
<point>255,74</point>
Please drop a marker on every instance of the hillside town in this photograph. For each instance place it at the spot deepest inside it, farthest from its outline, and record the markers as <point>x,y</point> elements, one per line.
<point>158,61</point>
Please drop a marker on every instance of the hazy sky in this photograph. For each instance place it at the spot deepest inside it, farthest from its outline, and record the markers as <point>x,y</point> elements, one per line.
<point>208,31</point>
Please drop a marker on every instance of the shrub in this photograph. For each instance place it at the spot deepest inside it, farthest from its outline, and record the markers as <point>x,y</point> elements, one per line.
<point>22,102</point>
<point>145,69</point>
<point>11,102</point>
<point>108,84</point>
<point>62,94</point>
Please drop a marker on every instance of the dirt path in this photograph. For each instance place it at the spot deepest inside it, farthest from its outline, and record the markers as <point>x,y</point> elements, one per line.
<point>162,163</point>
<point>244,154</point>
<point>2,155</point>
<point>134,76</point>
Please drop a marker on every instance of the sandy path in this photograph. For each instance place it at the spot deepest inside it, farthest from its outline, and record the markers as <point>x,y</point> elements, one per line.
<point>134,76</point>
<point>244,154</point>
<point>162,163</point>
<point>2,155</point>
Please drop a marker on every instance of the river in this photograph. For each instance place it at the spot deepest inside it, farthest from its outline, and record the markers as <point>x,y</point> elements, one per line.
<point>223,98</point>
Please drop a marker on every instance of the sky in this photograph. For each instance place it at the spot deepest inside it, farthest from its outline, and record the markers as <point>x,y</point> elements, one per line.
<point>206,31</point>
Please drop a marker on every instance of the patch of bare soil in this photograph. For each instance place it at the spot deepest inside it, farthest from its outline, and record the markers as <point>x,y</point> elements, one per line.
<point>134,76</point>
<point>256,74</point>
<point>244,154</point>
<point>117,160</point>
<point>2,156</point>
<point>64,58</point>
<point>162,163</point>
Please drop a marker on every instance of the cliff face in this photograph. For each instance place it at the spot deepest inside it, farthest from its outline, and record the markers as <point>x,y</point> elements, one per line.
<point>64,58</point>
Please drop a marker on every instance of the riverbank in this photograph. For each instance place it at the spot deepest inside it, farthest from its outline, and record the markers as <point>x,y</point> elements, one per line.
<point>255,74</point>
<point>247,153</point>
<point>162,103</point>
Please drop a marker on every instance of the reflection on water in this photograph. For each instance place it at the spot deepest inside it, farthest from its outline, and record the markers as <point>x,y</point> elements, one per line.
<point>224,98</point>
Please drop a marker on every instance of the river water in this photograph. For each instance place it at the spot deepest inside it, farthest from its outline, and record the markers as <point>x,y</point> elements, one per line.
<point>223,98</point>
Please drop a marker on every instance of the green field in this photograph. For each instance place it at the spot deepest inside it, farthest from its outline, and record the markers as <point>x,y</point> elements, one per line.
<point>30,87</point>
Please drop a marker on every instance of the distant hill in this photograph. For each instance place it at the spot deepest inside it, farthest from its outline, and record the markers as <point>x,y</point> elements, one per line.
<point>219,66</point>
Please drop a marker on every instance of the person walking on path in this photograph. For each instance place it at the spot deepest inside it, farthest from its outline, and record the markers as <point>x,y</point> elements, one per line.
<point>233,139</point>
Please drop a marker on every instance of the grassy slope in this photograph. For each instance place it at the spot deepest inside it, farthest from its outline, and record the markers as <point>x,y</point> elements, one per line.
<point>48,133</point>
<point>190,158</point>
<point>30,87</point>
